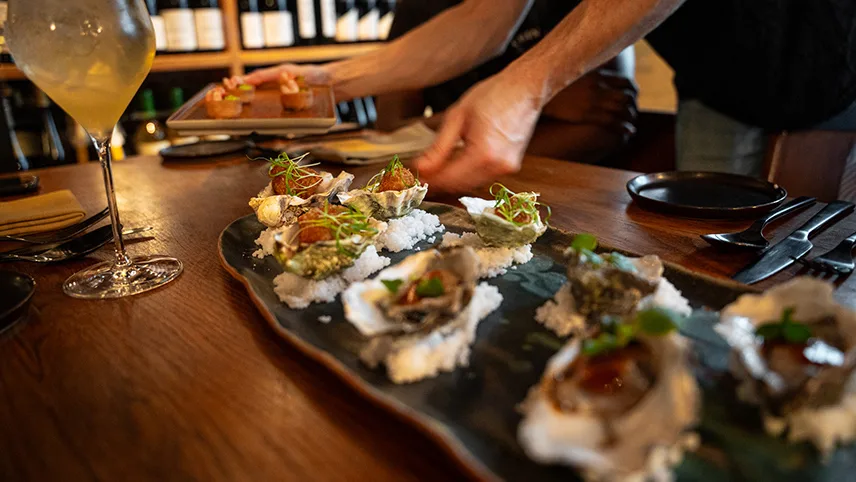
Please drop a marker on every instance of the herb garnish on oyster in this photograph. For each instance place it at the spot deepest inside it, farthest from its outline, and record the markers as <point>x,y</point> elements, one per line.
<point>510,220</point>
<point>392,193</point>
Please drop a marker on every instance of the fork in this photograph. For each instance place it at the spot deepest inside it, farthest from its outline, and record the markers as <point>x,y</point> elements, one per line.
<point>839,260</point>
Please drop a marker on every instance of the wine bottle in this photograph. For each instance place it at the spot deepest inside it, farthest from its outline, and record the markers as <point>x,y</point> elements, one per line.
<point>4,50</point>
<point>180,26</point>
<point>327,11</point>
<point>150,137</point>
<point>176,100</point>
<point>252,26</point>
<point>52,147</point>
<point>209,25</point>
<point>386,11</point>
<point>347,21</point>
<point>6,94</point>
<point>157,25</point>
<point>278,22</point>
<point>306,22</point>
<point>367,28</point>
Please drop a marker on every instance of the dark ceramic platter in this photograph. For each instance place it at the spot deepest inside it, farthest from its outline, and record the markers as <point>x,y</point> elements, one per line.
<point>472,412</point>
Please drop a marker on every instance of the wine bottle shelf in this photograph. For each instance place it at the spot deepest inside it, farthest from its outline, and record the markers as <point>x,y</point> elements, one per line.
<point>235,61</point>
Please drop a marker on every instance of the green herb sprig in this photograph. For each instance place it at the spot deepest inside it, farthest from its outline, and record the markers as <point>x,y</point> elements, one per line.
<point>616,334</point>
<point>786,329</point>
<point>293,172</point>
<point>392,284</point>
<point>509,205</point>
<point>343,225</point>
<point>394,167</point>
<point>430,288</point>
<point>585,244</point>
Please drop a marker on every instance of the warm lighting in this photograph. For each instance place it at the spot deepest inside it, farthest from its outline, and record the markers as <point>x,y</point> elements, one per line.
<point>53,27</point>
<point>150,127</point>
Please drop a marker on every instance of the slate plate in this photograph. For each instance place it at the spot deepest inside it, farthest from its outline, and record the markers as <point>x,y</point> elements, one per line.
<point>472,412</point>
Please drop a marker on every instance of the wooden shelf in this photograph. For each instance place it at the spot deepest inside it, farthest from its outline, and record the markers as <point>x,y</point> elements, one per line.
<point>192,61</point>
<point>318,53</point>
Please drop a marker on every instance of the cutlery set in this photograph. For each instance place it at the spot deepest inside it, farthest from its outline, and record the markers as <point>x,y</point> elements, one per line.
<point>64,244</point>
<point>775,258</point>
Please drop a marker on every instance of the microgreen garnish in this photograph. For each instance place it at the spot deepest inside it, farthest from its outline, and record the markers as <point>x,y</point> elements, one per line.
<point>293,172</point>
<point>616,334</point>
<point>620,261</point>
<point>343,225</point>
<point>394,168</point>
<point>230,97</point>
<point>510,205</point>
<point>786,329</point>
<point>392,284</point>
<point>584,241</point>
<point>245,87</point>
<point>430,288</point>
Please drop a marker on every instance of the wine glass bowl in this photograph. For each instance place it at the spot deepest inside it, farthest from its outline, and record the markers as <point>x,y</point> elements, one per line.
<point>90,57</point>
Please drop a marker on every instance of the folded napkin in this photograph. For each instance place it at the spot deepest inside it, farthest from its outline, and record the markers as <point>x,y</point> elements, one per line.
<point>42,213</point>
<point>376,148</point>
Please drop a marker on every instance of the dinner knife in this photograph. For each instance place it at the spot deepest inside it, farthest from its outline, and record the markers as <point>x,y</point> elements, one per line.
<point>795,246</point>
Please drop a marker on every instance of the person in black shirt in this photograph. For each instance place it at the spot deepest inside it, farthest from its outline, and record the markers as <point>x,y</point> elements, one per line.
<point>586,122</point>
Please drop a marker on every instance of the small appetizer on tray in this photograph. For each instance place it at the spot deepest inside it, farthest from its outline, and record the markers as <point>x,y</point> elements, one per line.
<point>221,105</point>
<point>794,354</point>
<point>237,87</point>
<point>393,195</point>
<point>617,406</point>
<point>506,228</point>
<point>294,93</point>
<point>421,315</point>
<point>606,284</point>
<point>327,249</point>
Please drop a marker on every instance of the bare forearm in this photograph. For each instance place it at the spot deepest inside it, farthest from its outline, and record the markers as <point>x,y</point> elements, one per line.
<point>591,34</point>
<point>446,46</point>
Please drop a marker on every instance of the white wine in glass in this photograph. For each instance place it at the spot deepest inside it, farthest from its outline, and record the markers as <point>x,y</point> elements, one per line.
<point>90,57</point>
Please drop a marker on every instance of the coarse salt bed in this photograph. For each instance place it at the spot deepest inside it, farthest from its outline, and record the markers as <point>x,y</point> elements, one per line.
<point>494,261</point>
<point>299,292</point>
<point>405,232</point>
<point>267,242</point>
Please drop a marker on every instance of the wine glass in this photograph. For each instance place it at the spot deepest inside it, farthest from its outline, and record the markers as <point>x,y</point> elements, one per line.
<point>90,57</point>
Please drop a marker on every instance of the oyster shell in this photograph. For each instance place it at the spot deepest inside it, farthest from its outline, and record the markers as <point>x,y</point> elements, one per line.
<point>609,289</point>
<point>385,205</point>
<point>274,210</point>
<point>321,259</point>
<point>814,397</point>
<point>432,335</point>
<point>496,231</point>
<point>606,437</point>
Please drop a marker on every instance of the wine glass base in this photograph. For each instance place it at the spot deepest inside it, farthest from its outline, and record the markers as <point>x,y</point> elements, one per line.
<point>106,280</point>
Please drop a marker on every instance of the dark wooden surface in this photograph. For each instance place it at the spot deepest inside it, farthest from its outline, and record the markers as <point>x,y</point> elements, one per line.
<point>189,383</point>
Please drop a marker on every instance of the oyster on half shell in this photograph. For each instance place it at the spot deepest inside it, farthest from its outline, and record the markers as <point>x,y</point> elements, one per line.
<point>497,231</point>
<point>636,429</point>
<point>807,385</point>
<point>321,259</point>
<point>274,210</point>
<point>414,333</point>
<point>385,205</point>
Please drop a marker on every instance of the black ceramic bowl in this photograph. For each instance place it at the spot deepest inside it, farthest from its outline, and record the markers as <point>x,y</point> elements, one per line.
<point>16,291</point>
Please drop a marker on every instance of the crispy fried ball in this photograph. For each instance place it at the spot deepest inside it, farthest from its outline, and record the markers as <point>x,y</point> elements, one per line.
<point>397,180</point>
<point>302,187</point>
<point>310,234</point>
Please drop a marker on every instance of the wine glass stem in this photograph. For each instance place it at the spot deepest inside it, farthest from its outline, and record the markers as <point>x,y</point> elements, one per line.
<point>106,158</point>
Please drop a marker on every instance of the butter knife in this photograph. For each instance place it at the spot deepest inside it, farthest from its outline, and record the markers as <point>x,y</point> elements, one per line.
<point>795,246</point>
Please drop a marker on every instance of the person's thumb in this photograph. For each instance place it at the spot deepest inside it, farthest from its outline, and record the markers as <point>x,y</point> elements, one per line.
<point>437,155</point>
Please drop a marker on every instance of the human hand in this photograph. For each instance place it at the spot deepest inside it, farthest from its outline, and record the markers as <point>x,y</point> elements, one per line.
<point>604,97</point>
<point>313,74</point>
<point>495,120</point>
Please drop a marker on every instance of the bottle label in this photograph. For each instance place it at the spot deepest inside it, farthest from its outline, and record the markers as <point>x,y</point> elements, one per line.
<point>252,30</point>
<point>368,25</point>
<point>328,18</point>
<point>306,18</point>
<point>160,32</point>
<point>384,25</point>
<point>347,26</point>
<point>180,29</point>
<point>279,29</point>
<point>209,28</point>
